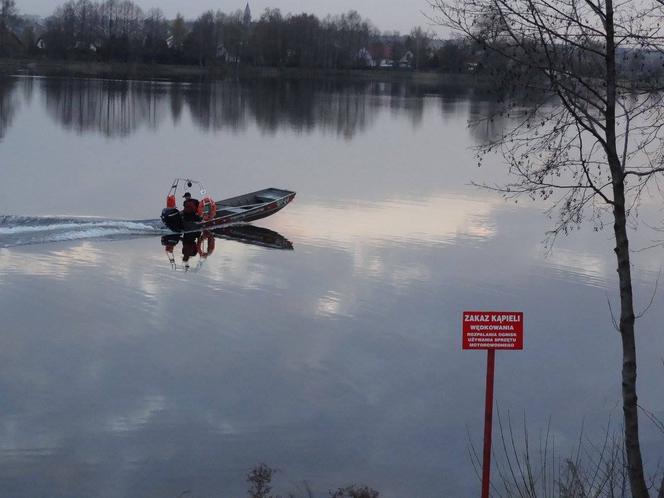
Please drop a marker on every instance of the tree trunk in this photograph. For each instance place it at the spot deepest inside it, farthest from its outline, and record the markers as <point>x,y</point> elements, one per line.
<point>630,408</point>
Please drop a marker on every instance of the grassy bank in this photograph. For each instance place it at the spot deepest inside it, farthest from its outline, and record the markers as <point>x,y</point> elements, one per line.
<point>429,77</point>
<point>107,70</point>
<point>197,73</point>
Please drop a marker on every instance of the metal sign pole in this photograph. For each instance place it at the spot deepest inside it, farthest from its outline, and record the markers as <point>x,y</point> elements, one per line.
<point>488,422</point>
<point>491,330</point>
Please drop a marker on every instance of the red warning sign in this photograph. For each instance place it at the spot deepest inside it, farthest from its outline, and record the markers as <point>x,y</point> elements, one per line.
<point>492,330</point>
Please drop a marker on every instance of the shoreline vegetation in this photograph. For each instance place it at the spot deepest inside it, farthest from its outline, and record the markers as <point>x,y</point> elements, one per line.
<point>178,72</point>
<point>118,39</point>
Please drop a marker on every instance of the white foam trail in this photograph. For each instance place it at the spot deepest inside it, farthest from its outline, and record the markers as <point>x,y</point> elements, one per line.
<point>127,226</point>
<point>91,234</point>
<point>21,230</point>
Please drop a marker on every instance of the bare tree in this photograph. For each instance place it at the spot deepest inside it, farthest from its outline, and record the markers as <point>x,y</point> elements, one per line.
<point>7,12</point>
<point>418,43</point>
<point>7,17</point>
<point>87,22</point>
<point>205,38</point>
<point>121,28</point>
<point>179,31</point>
<point>355,492</point>
<point>155,33</point>
<point>593,148</point>
<point>260,481</point>
<point>267,38</point>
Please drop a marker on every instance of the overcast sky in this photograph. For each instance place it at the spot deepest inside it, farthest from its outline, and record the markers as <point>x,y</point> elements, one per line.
<point>401,15</point>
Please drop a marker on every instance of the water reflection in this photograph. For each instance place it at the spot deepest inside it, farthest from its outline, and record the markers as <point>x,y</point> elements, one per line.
<point>254,236</point>
<point>111,107</point>
<point>198,246</point>
<point>58,264</point>
<point>117,108</point>
<point>149,383</point>
<point>339,362</point>
<point>8,104</point>
<point>305,105</point>
<point>344,107</point>
<point>176,100</point>
<point>217,106</point>
<point>409,222</point>
<point>28,87</point>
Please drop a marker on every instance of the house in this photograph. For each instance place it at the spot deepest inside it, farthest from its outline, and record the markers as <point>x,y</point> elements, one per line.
<point>29,29</point>
<point>379,50</point>
<point>365,59</point>
<point>406,62</point>
<point>85,47</point>
<point>224,54</point>
<point>41,43</point>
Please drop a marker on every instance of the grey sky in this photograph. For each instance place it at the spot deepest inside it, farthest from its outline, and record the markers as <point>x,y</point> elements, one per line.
<point>401,15</point>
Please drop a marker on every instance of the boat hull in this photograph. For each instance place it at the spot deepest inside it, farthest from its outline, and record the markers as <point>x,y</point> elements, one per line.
<point>240,209</point>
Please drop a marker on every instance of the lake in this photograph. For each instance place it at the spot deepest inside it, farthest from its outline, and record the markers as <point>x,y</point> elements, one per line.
<point>326,342</point>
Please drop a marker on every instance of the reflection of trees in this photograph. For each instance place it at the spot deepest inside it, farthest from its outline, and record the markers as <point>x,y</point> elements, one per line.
<point>302,105</point>
<point>217,105</point>
<point>28,86</point>
<point>407,98</point>
<point>486,124</point>
<point>111,107</point>
<point>305,105</point>
<point>346,112</point>
<point>7,104</point>
<point>342,107</point>
<point>176,101</point>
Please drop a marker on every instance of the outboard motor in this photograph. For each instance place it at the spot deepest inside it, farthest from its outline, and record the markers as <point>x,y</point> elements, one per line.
<point>172,219</point>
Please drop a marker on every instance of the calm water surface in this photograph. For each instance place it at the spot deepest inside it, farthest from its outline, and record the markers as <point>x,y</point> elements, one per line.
<point>330,346</point>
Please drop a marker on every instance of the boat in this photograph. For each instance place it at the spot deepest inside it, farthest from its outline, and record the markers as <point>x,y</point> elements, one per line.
<point>212,214</point>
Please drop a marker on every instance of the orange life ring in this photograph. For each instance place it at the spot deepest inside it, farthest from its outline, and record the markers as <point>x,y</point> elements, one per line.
<point>210,244</point>
<point>207,208</point>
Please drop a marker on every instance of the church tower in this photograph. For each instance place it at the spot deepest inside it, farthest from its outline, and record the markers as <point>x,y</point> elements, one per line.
<point>247,15</point>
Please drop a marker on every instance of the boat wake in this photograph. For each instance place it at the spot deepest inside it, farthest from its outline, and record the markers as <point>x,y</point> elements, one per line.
<point>30,230</point>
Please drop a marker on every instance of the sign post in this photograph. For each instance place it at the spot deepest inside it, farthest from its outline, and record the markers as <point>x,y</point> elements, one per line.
<point>491,330</point>
<point>488,422</point>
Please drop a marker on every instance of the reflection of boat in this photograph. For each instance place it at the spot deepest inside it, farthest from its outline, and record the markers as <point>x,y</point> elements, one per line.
<point>255,236</point>
<point>207,214</point>
<point>202,244</point>
<point>193,244</point>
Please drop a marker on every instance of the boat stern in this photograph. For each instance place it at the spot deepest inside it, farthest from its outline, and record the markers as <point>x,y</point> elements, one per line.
<point>172,219</point>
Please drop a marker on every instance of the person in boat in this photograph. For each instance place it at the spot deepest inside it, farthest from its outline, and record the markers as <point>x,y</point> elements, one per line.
<point>190,208</point>
<point>188,198</point>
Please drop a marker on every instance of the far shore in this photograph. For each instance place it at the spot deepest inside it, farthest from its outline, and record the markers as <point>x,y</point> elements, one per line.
<point>171,72</point>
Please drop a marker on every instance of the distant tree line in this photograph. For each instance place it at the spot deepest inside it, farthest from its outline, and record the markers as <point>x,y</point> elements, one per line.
<point>119,30</point>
